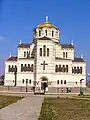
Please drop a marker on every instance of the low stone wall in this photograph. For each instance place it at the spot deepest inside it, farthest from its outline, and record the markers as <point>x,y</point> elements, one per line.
<point>56,90</point>
<point>64,90</point>
<point>15,89</point>
<point>59,90</point>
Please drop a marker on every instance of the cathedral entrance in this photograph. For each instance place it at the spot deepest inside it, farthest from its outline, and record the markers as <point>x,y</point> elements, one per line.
<point>44,84</point>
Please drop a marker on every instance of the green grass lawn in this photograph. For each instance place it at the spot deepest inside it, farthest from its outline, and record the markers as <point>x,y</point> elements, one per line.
<point>65,109</point>
<point>6,100</point>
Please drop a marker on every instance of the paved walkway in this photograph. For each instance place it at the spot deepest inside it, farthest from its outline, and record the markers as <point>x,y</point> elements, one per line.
<point>25,109</point>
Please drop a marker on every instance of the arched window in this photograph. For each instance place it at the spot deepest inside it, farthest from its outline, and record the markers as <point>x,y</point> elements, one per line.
<point>66,54</point>
<point>67,68</point>
<point>63,69</point>
<point>9,68</point>
<point>64,81</point>
<point>22,80</point>
<point>52,33</point>
<point>15,68</point>
<point>60,68</point>
<point>40,51</point>
<point>31,67</point>
<point>75,70</point>
<point>46,32</point>
<point>28,54</point>
<point>57,81</point>
<point>80,70</point>
<point>25,68</point>
<point>44,50</point>
<point>39,32</point>
<point>56,68</point>
<point>47,51</point>
<point>24,54</point>
<point>61,81</point>
<point>28,67</point>
<point>21,67</point>
<point>12,69</point>
<point>26,81</point>
<point>63,54</point>
<point>30,81</point>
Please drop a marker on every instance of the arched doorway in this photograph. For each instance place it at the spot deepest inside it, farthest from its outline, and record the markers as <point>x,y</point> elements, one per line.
<point>44,83</point>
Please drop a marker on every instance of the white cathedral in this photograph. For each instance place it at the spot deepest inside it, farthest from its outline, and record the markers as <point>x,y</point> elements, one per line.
<point>46,63</point>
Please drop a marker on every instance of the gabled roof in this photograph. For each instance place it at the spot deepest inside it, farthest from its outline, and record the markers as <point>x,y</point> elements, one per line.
<point>78,60</point>
<point>75,59</point>
<point>44,38</point>
<point>23,45</point>
<point>12,58</point>
<point>67,46</point>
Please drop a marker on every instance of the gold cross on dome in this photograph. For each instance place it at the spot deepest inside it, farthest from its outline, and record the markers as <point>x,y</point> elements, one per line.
<point>46,18</point>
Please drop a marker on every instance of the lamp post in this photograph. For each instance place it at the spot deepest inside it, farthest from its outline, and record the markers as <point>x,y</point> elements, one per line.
<point>26,85</point>
<point>81,89</point>
<point>15,73</point>
<point>34,87</point>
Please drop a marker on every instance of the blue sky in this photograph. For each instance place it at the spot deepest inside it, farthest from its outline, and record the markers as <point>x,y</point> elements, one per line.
<point>18,18</point>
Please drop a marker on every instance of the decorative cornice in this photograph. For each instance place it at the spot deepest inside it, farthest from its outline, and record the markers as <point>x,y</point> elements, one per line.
<point>78,60</point>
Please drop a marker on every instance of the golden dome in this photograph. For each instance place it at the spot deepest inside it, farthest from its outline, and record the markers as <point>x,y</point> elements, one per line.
<point>46,24</point>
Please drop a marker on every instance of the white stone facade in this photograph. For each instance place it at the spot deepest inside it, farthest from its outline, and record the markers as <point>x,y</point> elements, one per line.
<point>62,69</point>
